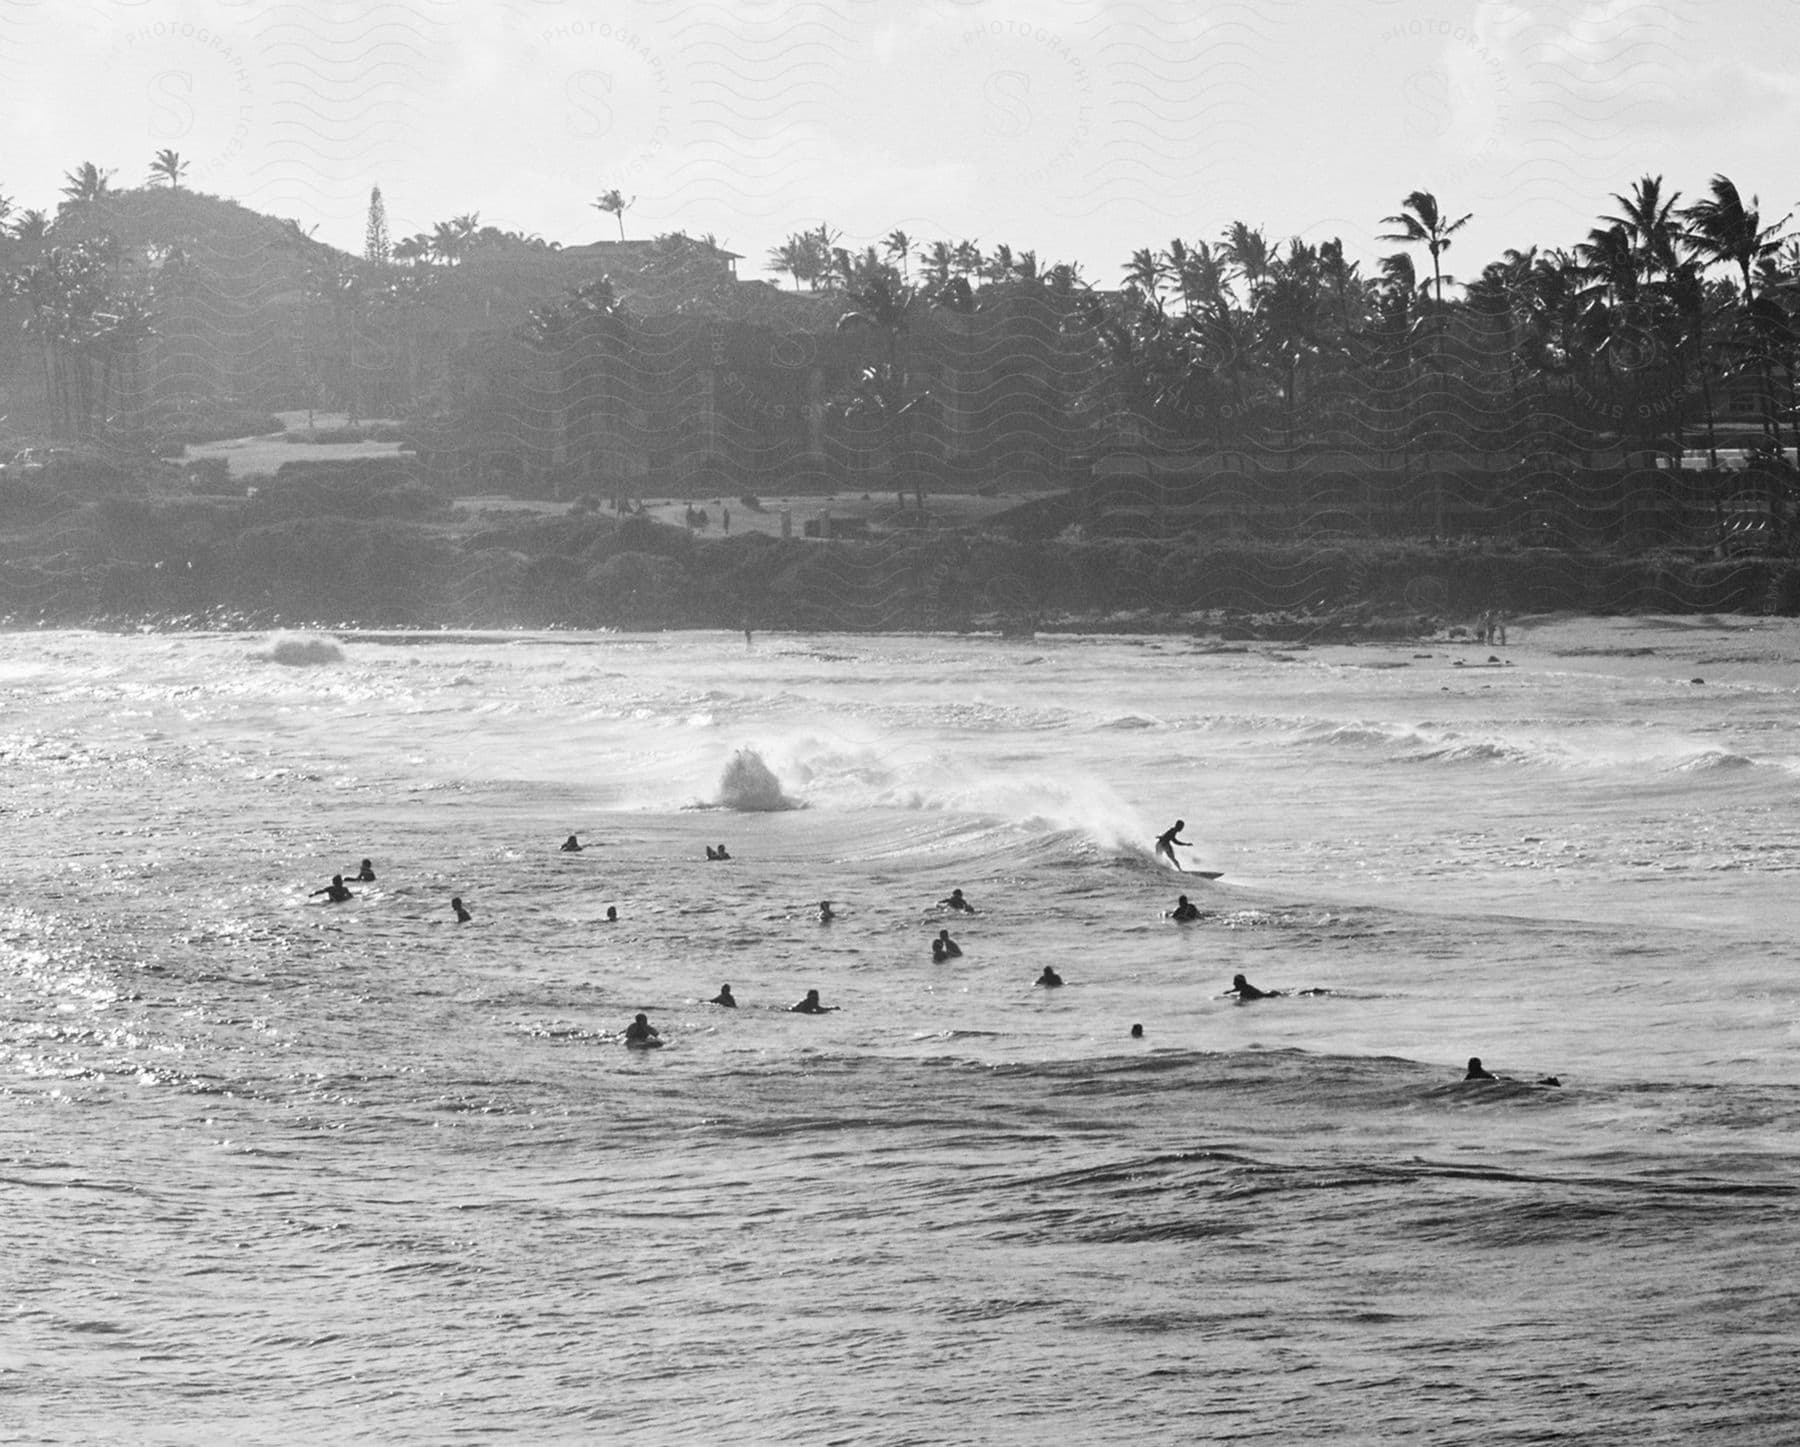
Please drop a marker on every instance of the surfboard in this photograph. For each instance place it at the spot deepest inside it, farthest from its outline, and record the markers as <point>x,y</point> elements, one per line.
<point>1205,873</point>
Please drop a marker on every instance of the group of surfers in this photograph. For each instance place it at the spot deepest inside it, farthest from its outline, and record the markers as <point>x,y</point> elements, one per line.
<point>640,1032</point>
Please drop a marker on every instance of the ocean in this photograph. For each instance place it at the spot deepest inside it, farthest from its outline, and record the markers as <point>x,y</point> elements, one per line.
<point>278,1170</point>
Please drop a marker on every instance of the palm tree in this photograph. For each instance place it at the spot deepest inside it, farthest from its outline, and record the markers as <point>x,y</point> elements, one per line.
<point>87,183</point>
<point>795,257</point>
<point>1648,218</point>
<point>898,246</point>
<point>1246,248</point>
<point>168,168</point>
<point>614,203</point>
<point>883,304</point>
<point>1145,274</point>
<point>1420,220</point>
<point>939,261</point>
<point>451,240</point>
<point>584,343</point>
<point>30,228</point>
<point>1724,230</point>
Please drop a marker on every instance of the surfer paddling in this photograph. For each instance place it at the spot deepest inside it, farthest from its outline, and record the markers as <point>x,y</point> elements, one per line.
<point>954,900</point>
<point>335,893</point>
<point>1168,839</point>
<point>571,845</point>
<point>1049,979</point>
<point>365,873</point>
<point>1184,911</point>
<point>725,998</point>
<point>641,1032</point>
<point>1478,1071</point>
<point>810,1005</point>
<point>1244,990</point>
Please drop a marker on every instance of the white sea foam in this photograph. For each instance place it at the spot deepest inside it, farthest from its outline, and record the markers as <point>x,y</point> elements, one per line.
<point>300,651</point>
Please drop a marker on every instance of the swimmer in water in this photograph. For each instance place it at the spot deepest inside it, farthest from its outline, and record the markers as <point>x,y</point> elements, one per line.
<point>641,1029</point>
<point>1477,1071</point>
<point>810,1005</point>
<point>1137,1032</point>
<point>1184,911</point>
<point>365,873</point>
<point>954,900</point>
<point>1049,979</point>
<point>1244,990</point>
<point>571,845</point>
<point>938,956</point>
<point>612,914</point>
<point>826,915</point>
<point>335,893</point>
<point>1166,841</point>
<point>724,997</point>
<point>952,950</point>
<point>724,853</point>
<point>462,915</point>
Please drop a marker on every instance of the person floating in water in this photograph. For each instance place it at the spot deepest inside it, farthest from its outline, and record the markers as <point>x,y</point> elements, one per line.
<point>612,914</point>
<point>335,893</point>
<point>725,998</point>
<point>938,953</point>
<point>952,950</point>
<point>1477,1071</point>
<point>365,873</point>
<point>826,913</point>
<point>462,914</point>
<point>640,1031</point>
<point>954,900</point>
<point>1137,1032</point>
<point>1244,990</point>
<point>1168,839</point>
<point>810,1005</point>
<point>571,845</point>
<point>1049,979</point>
<point>1184,910</point>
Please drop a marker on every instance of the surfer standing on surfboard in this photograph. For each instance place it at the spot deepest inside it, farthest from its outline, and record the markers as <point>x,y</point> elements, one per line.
<point>1170,837</point>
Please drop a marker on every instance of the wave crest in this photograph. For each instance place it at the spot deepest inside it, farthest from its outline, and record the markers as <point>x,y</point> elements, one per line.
<point>749,786</point>
<point>298,651</point>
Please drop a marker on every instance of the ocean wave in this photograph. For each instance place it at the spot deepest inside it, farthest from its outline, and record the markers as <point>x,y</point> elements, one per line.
<point>749,786</point>
<point>301,651</point>
<point>1714,759</point>
<point>1478,751</point>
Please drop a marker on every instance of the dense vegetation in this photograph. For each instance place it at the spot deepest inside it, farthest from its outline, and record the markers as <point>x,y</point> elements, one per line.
<point>1238,427</point>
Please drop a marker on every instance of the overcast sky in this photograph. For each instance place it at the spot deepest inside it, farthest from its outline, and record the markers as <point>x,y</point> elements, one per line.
<point>1082,129</point>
